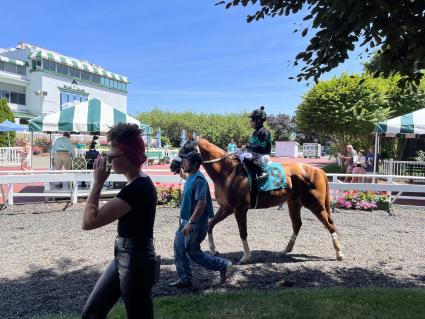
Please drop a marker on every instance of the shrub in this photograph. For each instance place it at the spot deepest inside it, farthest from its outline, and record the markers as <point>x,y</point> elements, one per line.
<point>168,194</point>
<point>359,200</point>
<point>333,168</point>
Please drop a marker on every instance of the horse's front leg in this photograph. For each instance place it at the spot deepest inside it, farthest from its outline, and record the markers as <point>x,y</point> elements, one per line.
<point>241,219</point>
<point>221,214</point>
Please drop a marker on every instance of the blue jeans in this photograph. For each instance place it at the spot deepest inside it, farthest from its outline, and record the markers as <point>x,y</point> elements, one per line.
<point>188,248</point>
<point>130,275</point>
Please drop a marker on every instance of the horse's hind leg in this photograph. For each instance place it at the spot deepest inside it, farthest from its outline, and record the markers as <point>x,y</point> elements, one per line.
<point>241,219</point>
<point>221,214</point>
<point>321,211</point>
<point>294,206</point>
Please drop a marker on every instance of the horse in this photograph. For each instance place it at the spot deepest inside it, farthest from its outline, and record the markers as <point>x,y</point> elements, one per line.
<point>306,186</point>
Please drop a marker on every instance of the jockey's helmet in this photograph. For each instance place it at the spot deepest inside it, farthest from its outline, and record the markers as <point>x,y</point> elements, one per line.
<point>258,115</point>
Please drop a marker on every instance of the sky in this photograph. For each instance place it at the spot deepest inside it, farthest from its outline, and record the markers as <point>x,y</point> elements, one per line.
<point>178,54</point>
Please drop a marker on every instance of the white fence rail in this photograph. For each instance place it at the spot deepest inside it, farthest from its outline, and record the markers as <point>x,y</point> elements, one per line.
<point>10,156</point>
<point>9,179</point>
<point>403,168</point>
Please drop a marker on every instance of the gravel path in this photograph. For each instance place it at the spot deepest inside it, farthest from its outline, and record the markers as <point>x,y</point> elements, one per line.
<point>49,265</point>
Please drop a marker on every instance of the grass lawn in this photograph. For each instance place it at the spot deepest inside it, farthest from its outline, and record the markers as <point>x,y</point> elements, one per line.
<point>332,303</point>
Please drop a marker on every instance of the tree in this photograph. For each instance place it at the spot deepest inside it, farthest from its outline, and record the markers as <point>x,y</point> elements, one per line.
<point>346,107</point>
<point>395,27</point>
<point>282,125</point>
<point>6,114</point>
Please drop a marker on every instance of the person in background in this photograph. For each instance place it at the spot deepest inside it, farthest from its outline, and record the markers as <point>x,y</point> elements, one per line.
<point>370,160</point>
<point>231,147</point>
<point>131,273</point>
<point>63,151</point>
<point>348,161</point>
<point>359,166</point>
<point>25,150</point>
<point>195,210</point>
<point>92,154</point>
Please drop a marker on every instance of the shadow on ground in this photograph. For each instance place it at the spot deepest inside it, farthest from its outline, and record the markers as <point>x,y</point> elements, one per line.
<point>58,290</point>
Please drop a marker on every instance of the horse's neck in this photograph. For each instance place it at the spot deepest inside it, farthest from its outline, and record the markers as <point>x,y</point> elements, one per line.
<point>217,171</point>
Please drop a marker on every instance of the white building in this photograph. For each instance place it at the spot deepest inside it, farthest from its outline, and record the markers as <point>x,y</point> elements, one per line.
<point>36,81</point>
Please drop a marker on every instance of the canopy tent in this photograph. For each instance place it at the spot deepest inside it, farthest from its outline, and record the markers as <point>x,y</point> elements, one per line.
<point>87,117</point>
<point>410,125</point>
<point>8,126</point>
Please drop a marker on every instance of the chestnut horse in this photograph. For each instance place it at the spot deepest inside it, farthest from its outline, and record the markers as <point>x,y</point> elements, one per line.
<point>306,186</point>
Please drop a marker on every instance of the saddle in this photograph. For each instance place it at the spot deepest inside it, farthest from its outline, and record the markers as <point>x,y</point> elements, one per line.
<point>276,180</point>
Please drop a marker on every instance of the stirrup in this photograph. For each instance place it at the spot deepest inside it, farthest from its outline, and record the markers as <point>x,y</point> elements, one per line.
<point>262,177</point>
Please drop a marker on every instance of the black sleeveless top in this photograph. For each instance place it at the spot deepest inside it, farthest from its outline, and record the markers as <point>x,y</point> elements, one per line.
<point>141,196</point>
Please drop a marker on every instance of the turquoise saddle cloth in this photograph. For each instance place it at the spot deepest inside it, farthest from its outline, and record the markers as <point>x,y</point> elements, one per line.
<point>276,179</point>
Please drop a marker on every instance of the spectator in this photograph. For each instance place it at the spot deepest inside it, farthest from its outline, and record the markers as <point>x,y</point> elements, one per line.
<point>25,150</point>
<point>63,152</point>
<point>348,161</point>
<point>92,154</point>
<point>231,147</point>
<point>370,159</point>
<point>131,273</point>
<point>359,166</point>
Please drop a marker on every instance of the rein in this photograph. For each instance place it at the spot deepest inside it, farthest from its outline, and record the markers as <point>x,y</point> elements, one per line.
<point>213,160</point>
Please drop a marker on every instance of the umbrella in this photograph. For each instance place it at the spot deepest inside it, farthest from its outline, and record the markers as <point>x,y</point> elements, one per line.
<point>90,116</point>
<point>8,126</point>
<point>158,138</point>
<point>183,138</point>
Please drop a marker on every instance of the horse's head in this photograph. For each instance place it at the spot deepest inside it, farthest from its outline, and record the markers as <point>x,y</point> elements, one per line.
<point>176,163</point>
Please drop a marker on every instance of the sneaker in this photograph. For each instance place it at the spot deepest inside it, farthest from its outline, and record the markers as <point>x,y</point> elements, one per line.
<point>180,284</point>
<point>262,177</point>
<point>224,274</point>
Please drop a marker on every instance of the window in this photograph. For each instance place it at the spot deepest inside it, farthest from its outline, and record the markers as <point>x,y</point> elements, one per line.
<point>46,65</point>
<point>74,73</point>
<point>21,99</point>
<point>53,66</point>
<point>21,69</point>
<point>85,75</point>
<point>38,63</point>
<point>95,78</point>
<point>9,67</point>
<point>13,97</point>
<point>1,66</point>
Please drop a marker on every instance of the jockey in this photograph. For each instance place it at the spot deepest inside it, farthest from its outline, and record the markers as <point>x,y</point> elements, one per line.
<point>255,154</point>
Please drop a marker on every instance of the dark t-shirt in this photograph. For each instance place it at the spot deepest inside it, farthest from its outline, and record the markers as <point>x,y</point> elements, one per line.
<point>141,196</point>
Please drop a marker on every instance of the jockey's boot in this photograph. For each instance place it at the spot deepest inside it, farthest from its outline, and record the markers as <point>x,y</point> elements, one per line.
<point>255,169</point>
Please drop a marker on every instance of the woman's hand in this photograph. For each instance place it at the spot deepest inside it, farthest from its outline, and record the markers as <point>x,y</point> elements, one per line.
<point>101,171</point>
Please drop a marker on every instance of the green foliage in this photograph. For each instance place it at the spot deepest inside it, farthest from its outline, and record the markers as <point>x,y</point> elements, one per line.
<point>346,107</point>
<point>282,126</point>
<point>217,128</point>
<point>6,114</point>
<point>396,27</point>
<point>333,168</point>
<point>420,156</point>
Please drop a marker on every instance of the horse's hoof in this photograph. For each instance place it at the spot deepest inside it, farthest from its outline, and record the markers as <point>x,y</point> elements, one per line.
<point>339,257</point>
<point>286,251</point>
<point>244,260</point>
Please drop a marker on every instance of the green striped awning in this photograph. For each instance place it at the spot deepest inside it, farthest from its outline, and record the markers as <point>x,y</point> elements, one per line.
<point>90,116</point>
<point>407,125</point>
<point>17,62</point>
<point>76,64</point>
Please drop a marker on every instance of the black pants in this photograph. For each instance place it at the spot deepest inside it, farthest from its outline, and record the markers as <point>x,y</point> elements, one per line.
<point>130,276</point>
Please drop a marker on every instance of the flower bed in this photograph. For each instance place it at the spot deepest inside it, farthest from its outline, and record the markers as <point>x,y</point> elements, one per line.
<point>360,200</point>
<point>168,194</point>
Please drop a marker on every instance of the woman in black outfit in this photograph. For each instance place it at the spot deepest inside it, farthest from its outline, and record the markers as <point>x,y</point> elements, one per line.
<point>130,274</point>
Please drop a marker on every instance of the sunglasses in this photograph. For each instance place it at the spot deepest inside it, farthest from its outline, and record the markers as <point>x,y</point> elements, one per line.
<point>110,158</point>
